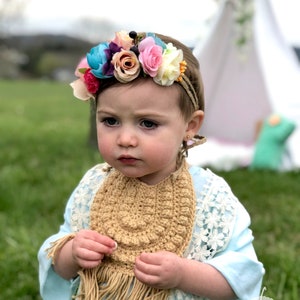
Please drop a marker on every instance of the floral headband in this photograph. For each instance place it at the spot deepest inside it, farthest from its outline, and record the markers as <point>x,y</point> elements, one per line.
<point>125,58</point>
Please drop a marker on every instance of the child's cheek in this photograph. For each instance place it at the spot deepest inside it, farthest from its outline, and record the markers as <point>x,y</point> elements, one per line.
<point>104,146</point>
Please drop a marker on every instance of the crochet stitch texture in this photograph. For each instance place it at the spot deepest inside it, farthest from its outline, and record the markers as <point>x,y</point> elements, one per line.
<point>140,218</point>
<point>216,209</point>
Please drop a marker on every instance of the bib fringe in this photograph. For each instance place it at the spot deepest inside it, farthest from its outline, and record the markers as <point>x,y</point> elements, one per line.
<point>57,245</point>
<point>117,285</point>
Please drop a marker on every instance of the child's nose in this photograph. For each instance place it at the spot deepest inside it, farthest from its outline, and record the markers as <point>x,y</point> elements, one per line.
<point>127,138</point>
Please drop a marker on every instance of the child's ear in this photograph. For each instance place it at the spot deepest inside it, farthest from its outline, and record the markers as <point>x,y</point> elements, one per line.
<point>195,123</point>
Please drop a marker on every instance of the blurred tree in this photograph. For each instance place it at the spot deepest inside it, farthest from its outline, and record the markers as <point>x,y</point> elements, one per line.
<point>11,59</point>
<point>11,14</point>
<point>95,30</point>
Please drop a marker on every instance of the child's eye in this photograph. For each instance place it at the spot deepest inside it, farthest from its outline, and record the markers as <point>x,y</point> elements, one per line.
<point>148,124</point>
<point>110,121</point>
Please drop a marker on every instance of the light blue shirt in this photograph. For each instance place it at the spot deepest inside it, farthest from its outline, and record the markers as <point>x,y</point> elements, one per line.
<point>221,236</point>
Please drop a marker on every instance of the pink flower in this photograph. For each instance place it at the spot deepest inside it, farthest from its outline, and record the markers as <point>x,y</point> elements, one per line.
<point>79,86</point>
<point>123,40</point>
<point>91,82</point>
<point>150,56</point>
<point>83,64</point>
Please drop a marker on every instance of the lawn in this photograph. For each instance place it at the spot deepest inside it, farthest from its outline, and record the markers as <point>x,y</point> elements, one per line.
<point>45,152</point>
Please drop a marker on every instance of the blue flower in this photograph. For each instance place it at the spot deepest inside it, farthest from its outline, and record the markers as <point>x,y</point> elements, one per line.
<point>157,40</point>
<point>98,61</point>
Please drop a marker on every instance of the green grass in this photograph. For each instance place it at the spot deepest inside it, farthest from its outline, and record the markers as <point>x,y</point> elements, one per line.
<point>44,153</point>
<point>272,200</point>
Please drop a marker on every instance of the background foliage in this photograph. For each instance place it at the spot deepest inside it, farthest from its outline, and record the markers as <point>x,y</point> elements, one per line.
<point>44,154</point>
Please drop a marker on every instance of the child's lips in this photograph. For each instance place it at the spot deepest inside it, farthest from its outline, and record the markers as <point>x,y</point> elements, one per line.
<point>127,159</point>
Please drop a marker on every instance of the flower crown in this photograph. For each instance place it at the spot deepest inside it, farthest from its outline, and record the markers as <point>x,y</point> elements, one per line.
<point>126,57</point>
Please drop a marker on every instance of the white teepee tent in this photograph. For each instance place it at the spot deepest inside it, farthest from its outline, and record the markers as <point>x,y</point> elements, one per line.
<point>242,91</point>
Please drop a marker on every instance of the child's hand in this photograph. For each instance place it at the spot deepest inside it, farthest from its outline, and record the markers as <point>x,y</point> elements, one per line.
<point>89,248</point>
<point>160,270</point>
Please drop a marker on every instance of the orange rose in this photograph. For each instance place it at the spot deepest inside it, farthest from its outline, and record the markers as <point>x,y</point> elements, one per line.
<point>127,66</point>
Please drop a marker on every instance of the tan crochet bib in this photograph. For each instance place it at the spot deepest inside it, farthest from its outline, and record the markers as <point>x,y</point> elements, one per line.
<point>140,218</point>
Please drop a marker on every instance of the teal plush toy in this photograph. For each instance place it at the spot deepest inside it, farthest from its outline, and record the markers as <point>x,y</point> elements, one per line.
<point>271,143</point>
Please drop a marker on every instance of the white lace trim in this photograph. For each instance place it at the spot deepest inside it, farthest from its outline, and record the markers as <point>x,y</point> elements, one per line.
<point>84,195</point>
<point>215,213</point>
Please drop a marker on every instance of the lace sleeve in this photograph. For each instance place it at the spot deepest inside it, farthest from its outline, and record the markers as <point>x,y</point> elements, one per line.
<point>215,214</point>
<point>84,195</point>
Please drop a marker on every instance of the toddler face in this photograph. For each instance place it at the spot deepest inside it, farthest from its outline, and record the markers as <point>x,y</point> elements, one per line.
<point>140,129</point>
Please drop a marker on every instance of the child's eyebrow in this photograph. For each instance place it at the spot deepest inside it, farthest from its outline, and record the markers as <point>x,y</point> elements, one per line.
<point>150,113</point>
<point>139,114</point>
<point>104,111</point>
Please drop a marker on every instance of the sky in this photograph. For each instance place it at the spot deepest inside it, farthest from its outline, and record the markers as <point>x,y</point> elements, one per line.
<point>186,20</point>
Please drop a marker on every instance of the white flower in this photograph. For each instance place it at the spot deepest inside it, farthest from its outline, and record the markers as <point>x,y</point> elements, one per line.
<point>169,70</point>
<point>80,91</point>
